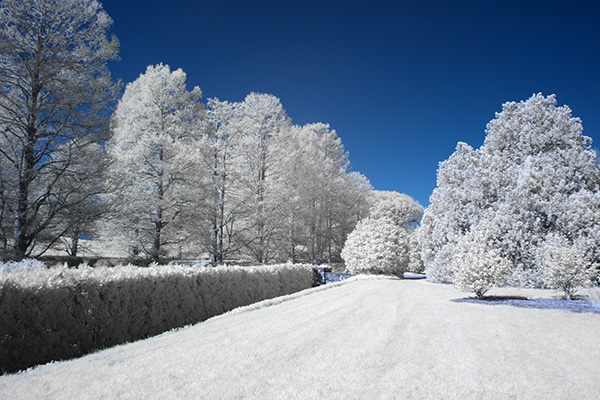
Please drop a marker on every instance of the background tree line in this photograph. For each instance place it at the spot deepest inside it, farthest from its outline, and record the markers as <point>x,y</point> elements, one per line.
<point>164,174</point>
<point>233,179</point>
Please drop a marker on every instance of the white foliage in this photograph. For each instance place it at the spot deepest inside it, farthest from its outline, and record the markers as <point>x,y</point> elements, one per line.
<point>24,265</point>
<point>406,213</point>
<point>55,90</point>
<point>563,265</point>
<point>452,210</point>
<point>415,262</point>
<point>377,246</point>
<point>155,158</point>
<point>398,207</point>
<point>222,202</point>
<point>477,264</point>
<point>535,174</point>
<point>262,121</point>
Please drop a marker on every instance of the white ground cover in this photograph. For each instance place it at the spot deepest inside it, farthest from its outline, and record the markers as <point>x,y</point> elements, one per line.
<point>358,339</point>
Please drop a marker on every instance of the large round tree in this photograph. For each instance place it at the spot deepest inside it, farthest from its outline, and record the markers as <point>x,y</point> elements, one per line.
<point>382,243</point>
<point>535,175</point>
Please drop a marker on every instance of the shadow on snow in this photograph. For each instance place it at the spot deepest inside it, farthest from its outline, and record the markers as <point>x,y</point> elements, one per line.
<point>576,306</point>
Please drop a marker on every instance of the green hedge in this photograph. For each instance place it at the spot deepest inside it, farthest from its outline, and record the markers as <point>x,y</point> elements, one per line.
<point>55,314</point>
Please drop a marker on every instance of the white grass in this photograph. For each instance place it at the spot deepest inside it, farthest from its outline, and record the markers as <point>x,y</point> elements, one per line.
<point>358,339</point>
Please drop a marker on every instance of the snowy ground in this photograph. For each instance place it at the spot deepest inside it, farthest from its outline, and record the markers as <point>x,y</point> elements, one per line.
<point>359,339</point>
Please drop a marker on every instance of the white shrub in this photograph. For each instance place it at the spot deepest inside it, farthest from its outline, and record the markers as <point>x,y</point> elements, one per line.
<point>476,265</point>
<point>377,246</point>
<point>563,265</point>
<point>23,265</point>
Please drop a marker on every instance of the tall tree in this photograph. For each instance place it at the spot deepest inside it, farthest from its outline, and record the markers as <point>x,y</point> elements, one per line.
<point>86,202</point>
<point>54,90</point>
<point>320,201</point>
<point>262,122</point>
<point>155,157</point>
<point>221,161</point>
<point>535,177</point>
<point>454,207</point>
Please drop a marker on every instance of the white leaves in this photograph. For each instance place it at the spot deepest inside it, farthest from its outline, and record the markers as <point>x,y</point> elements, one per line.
<point>155,155</point>
<point>377,246</point>
<point>563,265</point>
<point>384,242</point>
<point>477,264</point>
<point>534,175</point>
<point>398,207</point>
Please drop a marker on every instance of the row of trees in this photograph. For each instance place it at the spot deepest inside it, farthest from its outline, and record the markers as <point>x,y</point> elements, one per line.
<point>523,209</point>
<point>235,179</point>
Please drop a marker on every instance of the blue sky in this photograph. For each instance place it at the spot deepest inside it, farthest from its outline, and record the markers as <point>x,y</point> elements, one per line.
<point>401,82</point>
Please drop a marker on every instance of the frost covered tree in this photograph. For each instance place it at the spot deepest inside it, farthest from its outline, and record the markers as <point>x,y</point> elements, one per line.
<point>542,167</point>
<point>535,175</point>
<point>324,187</point>
<point>220,162</point>
<point>406,212</point>
<point>564,266</point>
<point>382,243</point>
<point>398,207</point>
<point>54,91</point>
<point>415,262</point>
<point>377,246</point>
<point>477,264</point>
<point>321,201</point>
<point>154,153</point>
<point>297,174</point>
<point>261,124</point>
<point>453,209</point>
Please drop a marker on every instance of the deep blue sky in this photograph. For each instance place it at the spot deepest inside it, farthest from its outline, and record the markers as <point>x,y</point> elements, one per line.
<point>401,81</point>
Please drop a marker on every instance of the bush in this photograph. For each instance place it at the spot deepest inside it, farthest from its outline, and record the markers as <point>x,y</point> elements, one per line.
<point>377,247</point>
<point>23,265</point>
<point>563,265</point>
<point>60,313</point>
<point>476,265</point>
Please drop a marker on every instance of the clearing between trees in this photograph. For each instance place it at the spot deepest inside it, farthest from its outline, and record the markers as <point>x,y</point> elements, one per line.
<point>363,338</point>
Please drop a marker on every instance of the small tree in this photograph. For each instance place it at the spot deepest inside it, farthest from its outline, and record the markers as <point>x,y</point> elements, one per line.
<point>477,265</point>
<point>377,246</point>
<point>563,265</point>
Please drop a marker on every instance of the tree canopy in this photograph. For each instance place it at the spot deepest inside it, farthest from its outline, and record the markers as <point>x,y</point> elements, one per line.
<point>534,177</point>
<point>54,91</point>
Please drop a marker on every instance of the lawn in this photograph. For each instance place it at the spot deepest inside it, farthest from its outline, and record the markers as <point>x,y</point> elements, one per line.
<point>359,339</point>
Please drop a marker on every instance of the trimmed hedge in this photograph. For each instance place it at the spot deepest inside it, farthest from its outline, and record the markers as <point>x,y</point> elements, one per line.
<point>55,314</point>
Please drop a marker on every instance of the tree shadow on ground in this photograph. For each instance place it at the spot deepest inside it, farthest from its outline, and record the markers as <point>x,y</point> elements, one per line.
<point>576,306</point>
<point>410,275</point>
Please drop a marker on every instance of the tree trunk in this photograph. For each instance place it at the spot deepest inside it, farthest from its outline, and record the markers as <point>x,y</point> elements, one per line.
<point>21,238</point>
<point>158,213</point>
